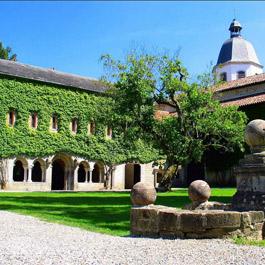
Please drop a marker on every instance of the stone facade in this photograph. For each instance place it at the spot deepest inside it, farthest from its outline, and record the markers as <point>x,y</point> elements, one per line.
<point>161,221</point>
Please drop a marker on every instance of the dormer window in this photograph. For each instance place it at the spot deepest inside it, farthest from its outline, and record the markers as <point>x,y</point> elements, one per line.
<point>92,128</point>
<point>109,132</point>
<point>11,118</point>
<point>54,122</point>
<point>74,125</point>
<point>241,74</point>
<point>34,120</point>
<point>223,76</point>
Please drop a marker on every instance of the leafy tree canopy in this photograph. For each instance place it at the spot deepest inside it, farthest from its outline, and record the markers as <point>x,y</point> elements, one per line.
<point>196,123</point>
<point>6,53</point>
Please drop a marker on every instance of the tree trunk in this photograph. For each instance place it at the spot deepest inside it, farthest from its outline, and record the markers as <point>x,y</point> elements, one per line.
<point>3,179</point>
<point>166,182</point>
<point>107,182</point>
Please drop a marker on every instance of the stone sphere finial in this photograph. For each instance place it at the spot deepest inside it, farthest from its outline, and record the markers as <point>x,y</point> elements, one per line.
<point>255,135</point>
<point>199,191</point>
<point>143,194</point>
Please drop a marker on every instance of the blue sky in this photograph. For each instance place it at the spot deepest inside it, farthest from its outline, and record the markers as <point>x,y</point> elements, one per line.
<point>70,36</point>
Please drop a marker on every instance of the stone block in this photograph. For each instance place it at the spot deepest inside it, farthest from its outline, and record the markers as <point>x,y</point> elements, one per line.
<point>222,219</point>
<point>256,216</point>
<point>245,219</point>
<point>169,221</point>
<point>191,221</point>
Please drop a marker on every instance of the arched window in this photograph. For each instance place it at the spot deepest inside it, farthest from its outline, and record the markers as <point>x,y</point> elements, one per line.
<point>109,132</point>
<point>54,122</point>
<point>92,128</point>
<point>81,173</point>
<point>36,172</point>
<point>223,76</point>
<point>18,171</point>
<point>74,125</point>
<point>241,74</point>
<point>11,118</point>
<point>34,120</point>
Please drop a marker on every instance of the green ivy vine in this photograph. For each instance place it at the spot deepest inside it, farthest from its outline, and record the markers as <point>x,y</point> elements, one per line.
<point>26,96</point>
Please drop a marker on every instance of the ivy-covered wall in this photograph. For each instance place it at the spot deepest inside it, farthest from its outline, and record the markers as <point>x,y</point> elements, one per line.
<point>26,96</point>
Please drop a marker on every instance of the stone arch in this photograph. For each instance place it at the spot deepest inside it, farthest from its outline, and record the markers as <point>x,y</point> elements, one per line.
<point>62,172</point>
<point>82,173</point>
<point>38,169</point>
<point>98,172</point>
<point>20,169</point>
<point>132,174</point>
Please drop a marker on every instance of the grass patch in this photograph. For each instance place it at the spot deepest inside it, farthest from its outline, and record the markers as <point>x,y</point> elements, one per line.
<point>104,212</point>
<point>244,241</point>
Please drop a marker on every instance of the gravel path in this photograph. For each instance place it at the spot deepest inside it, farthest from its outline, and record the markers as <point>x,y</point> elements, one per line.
<point>27,240</point>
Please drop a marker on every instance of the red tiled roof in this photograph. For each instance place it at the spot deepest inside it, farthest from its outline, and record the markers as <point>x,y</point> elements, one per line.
<point>249,80</point>
<point>160,114</point>
<point>245,101</point>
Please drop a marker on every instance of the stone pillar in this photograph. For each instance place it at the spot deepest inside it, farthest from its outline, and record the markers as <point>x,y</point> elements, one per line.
<point>86,170</point>
<point>43,179</point>
<point>91,167</point>
<point>30,173</point>
<point>250,172</point>
<point>90,175</point>
<point>76,176</point>
<point>31,165</point>
<point>10,167</point>
<point>25,173</point>
<point>48,172</point>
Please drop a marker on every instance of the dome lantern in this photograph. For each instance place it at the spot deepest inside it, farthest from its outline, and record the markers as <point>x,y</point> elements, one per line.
<point>235,29</point>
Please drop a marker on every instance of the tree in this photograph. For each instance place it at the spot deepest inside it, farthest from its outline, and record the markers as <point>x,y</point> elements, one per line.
<point>3,177</point>
<point>6,53</point>
<point>197,122</point>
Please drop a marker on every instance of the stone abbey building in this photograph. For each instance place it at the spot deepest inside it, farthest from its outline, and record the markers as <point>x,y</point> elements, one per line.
<point>38,105</point>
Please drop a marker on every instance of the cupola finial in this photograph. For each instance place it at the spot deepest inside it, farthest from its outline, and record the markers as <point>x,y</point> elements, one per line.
<point>235,29</point>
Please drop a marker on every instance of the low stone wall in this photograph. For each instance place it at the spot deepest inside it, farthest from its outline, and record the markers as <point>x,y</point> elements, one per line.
<point>161,221</point>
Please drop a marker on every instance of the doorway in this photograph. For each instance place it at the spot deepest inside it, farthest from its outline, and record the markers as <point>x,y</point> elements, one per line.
<point>58,175</point>
<point>132,175</point>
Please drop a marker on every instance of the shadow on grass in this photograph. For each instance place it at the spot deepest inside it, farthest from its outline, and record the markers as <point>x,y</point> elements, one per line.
<point>109,214</point>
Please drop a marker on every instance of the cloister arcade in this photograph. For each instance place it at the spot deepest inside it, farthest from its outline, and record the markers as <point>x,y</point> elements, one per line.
<point>69,173</point>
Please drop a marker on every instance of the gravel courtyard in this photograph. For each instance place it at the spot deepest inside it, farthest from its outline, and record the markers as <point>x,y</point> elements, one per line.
<point>26,240</point>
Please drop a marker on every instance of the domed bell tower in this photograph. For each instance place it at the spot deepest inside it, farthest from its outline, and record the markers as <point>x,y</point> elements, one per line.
<point>237,58</point>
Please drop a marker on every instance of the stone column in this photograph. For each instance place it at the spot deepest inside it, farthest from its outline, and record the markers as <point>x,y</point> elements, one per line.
<point>91,167</point>
<point>90,175</point>
<point>10,167</point>
<point>76,177</point>
<point>86,170</point>
<point>31,165</point>
<point>43,179</point>
<point>48,178</point>
<point>25,173</point>
<point>30,173</point>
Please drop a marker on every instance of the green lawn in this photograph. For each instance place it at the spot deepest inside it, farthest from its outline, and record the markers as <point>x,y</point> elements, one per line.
<point>105,212</point>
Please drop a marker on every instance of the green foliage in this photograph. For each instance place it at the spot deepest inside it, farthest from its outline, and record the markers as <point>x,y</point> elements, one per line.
<point>26,97</point>
<point>197,122</point>
<point>5,53</point>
